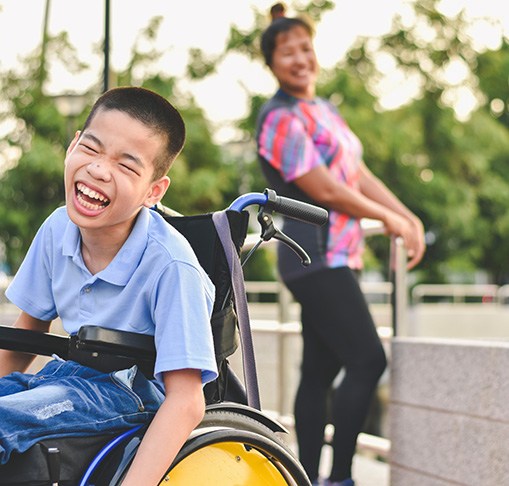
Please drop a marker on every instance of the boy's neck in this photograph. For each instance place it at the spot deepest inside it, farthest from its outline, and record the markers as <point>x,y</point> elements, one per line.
<point>99,248</point>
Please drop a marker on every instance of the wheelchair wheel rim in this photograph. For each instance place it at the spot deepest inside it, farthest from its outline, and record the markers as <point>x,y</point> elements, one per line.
<point>225,464</point>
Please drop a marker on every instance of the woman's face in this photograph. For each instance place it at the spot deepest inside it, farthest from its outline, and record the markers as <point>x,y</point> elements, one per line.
<point>294,63</point>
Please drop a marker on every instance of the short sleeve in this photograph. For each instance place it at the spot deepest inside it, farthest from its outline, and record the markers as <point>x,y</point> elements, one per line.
<point>183,302</point>
<point>285,144</point>
<point>31,289</point>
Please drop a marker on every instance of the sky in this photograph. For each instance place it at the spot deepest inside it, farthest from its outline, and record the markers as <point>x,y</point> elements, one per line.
<point>205,25</point>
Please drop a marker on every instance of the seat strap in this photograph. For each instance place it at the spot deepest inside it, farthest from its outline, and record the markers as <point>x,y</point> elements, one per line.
<point>222,225</point>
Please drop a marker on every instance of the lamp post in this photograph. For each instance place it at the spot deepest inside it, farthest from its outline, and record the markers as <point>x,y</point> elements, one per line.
<point>106,74</point>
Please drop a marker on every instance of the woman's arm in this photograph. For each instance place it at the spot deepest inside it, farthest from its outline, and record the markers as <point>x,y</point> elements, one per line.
<point>323,189</point>
<point>374,201</point>
<point>11,361</point>
<point>181,411</point>
<point>372,187</point>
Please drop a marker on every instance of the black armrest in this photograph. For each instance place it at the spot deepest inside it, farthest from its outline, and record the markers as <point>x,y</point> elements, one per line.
<point>109,350</point>
<point>118,342</point>
<point>100,348</point>
<point>33,342</point>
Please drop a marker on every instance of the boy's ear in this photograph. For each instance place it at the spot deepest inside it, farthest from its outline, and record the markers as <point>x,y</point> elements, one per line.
<point>157,191</point>
<point>73,143</point>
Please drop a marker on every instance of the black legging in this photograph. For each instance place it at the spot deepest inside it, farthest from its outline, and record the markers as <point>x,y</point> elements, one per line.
<point>338,333</point>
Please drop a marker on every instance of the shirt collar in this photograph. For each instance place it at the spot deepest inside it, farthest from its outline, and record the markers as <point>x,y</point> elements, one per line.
<point>280,93</point>
<point>126,261</point>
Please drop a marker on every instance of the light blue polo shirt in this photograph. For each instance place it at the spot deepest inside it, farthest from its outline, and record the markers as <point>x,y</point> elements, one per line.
<point>154,285</point>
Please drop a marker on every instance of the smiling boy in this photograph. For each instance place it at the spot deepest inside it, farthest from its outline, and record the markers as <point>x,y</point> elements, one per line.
<point>107,259</point>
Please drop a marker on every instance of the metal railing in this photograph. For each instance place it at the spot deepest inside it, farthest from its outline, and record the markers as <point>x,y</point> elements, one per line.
<point>460,293</point>
<point>382,290</point>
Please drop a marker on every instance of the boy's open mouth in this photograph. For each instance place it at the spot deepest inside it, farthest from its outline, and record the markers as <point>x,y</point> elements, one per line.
<point>89,198</point>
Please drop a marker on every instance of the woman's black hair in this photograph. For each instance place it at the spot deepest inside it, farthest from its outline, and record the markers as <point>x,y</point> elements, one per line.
<point>280,24</point>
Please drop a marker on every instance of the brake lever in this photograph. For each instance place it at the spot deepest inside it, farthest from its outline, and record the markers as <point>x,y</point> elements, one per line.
<point>304,257</point>
<point>270,230</point>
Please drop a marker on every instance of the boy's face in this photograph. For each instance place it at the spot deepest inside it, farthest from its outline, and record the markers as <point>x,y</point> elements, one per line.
<point>108,172</point>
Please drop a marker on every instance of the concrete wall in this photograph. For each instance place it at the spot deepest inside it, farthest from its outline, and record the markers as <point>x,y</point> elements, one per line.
<point>449,413</point>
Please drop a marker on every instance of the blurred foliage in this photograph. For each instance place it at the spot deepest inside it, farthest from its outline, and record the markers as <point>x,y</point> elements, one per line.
<point>28,194</point>
<point>33,187</point>
<point>452,173</point>
<point>492,71</point>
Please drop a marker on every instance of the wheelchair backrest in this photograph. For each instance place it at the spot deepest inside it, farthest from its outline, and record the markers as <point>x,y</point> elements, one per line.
<point>201,233</point>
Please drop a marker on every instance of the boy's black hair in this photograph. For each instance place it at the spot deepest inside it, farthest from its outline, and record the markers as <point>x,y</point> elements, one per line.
<point>280,24</point>
<point>153,111</point>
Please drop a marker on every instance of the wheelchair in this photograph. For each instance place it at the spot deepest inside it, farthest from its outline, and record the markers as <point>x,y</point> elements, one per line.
<point>236,443</point>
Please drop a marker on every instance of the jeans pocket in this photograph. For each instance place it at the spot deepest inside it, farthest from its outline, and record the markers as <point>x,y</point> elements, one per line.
<point>50,369</point>
<point>124,379</point>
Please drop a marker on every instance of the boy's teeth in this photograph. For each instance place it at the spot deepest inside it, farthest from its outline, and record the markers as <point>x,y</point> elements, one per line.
<point>91,193</point>
<point>89,205</point>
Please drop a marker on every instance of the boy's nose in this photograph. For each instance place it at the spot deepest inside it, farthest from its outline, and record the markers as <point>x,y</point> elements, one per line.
<point>99,170</point>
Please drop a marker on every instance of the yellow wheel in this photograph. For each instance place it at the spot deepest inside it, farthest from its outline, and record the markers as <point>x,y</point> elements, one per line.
<point>225,464</point>
<point>222,456</point>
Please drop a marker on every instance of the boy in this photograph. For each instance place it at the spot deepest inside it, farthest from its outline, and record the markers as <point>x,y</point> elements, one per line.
<point>107,259</point>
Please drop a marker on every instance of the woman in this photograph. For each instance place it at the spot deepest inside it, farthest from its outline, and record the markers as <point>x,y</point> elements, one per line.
<point>308,152</point>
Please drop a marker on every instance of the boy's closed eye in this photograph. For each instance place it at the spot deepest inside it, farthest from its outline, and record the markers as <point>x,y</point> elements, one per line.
<point>88,148</point>
<point>128,168</point>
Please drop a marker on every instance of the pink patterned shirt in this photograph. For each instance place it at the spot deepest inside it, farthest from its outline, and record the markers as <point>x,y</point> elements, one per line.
<point>300,135</point>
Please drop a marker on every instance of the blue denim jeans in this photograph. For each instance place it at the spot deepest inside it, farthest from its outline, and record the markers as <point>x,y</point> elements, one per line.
<point>68,399</point>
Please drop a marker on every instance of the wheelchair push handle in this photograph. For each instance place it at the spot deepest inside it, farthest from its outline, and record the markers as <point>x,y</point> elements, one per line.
<point>308,213</point>
<point>285,206</point>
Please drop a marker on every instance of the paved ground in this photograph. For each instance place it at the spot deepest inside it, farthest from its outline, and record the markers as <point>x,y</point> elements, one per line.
<point>369,472</point>
<point>366,471</point>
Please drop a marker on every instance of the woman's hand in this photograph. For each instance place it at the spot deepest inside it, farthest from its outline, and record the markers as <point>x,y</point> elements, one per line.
<point>412,232</point>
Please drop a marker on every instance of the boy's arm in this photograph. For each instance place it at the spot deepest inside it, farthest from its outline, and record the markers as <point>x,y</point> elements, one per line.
<point>13,360</point>
<point>181,411</point>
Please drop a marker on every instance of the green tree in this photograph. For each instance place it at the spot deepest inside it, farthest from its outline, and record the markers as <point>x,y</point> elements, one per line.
<point>31,187</point>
